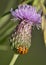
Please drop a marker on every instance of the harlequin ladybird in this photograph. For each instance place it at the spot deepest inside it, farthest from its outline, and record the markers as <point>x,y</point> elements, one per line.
<point>22,50</point>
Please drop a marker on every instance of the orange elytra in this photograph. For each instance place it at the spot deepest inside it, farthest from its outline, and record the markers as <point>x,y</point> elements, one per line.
<point>22,50</point>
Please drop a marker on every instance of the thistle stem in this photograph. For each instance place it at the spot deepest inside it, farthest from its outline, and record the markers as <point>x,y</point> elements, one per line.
<point>15,56</point>
<point>45,37</point>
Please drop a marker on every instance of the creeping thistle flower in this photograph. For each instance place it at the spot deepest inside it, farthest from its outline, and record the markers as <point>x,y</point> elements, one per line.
<point>28,16</point>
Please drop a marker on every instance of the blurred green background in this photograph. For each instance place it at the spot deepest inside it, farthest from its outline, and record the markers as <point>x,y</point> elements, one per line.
<point>37,52</point>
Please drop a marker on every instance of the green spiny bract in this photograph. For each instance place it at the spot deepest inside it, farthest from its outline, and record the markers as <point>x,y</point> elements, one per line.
<point>22,35</point>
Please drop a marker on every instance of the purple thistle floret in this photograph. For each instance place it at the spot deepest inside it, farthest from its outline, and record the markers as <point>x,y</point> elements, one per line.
<point>26,12</point>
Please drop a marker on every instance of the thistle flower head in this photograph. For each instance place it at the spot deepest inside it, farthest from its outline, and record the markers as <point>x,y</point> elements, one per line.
<point>26,12</point>
<point>21,38</point>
